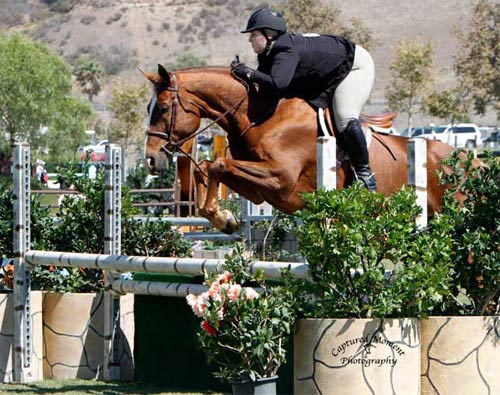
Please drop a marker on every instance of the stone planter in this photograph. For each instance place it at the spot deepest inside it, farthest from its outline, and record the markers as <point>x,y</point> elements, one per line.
<point>7,337</point>
<point>357,356</point>
<point>73,336</point>
<point>460,355</point>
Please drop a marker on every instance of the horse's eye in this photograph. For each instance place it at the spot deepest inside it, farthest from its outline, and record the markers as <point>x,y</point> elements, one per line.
<point>163,109</point>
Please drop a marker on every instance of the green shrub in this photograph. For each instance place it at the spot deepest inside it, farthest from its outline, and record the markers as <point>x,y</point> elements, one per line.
<point>80,228</point>
<point>476,236</point>
<point>367,258</point>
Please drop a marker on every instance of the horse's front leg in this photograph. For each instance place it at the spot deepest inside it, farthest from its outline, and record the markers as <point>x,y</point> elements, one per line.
<point>201,180</point>
<point>206,186</point>
<point>249,179</point>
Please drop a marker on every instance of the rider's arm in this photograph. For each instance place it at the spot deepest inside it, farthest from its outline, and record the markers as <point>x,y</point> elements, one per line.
<point>283,67</point>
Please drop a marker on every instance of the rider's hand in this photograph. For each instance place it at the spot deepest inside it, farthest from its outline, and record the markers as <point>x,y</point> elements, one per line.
<point>241,70</point>
<point>235,62</point>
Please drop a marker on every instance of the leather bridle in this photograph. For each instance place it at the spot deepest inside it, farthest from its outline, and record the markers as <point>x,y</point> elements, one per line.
<point>170,147</point>
<point>173,116</point>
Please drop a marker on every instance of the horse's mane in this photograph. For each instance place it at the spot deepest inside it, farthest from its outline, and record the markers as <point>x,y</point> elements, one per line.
<point>218,74</point>
<point>216,69</point>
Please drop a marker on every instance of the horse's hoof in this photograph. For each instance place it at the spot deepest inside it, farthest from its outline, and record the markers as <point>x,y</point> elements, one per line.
<point>231,223</point>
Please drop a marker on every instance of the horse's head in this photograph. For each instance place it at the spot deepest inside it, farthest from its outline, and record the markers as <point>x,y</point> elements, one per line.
<point>170,123</point>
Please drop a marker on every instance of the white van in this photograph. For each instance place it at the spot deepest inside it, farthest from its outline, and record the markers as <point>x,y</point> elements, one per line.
<point>460,135</point>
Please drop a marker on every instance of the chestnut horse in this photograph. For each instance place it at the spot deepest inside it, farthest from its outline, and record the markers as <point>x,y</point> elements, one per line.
<point>272,145</point>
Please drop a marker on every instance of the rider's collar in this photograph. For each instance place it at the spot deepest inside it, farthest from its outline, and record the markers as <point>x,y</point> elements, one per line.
<point>268,47</point>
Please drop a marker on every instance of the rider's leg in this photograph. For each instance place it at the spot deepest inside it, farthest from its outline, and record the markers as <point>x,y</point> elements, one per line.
<point>357,149</point>
<point>347,102</point>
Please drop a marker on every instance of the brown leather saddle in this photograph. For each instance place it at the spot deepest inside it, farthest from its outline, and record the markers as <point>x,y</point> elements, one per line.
<point>378,121</point>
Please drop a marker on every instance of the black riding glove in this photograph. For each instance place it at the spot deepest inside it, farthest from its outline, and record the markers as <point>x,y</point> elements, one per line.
<point>241,70</point>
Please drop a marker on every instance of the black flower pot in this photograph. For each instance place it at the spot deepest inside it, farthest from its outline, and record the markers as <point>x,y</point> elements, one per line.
<point>265,386</point>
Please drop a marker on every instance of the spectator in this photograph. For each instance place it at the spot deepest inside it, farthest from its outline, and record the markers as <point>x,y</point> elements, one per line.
<point>40,171</point>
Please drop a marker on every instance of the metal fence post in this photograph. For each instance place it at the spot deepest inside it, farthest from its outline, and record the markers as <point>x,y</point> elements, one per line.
<point>112,246</point>
<point>22,277</point>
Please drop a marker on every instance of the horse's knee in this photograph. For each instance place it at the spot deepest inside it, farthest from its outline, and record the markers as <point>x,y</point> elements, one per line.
<point>200,172</point>
<point>217,168</point>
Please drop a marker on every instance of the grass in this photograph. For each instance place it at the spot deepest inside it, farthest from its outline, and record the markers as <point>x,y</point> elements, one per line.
<point>92,387</point>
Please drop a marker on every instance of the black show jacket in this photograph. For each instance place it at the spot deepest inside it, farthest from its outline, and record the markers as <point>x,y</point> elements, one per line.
<point>309,66</point>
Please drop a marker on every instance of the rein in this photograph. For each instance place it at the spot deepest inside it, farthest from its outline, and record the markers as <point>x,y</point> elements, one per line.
<point>386,146</point>
<point>177,146</point>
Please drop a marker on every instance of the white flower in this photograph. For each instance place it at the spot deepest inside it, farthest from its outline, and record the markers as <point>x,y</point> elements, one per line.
<point>251,293</point>
<point>197,304</point>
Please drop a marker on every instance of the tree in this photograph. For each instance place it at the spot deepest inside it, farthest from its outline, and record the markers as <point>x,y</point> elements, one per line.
<point>311,16</point>
<point>478,60</point>
<point>127,106</point>
<point>67,132</point>
<point>451,105</point>
<point>88,74</point>
<point>35,95</point>
<point>411,70</point>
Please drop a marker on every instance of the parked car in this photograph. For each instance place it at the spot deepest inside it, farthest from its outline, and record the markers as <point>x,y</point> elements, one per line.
<point>97,151</point>
<point>493,141</point>
<point>422,130</point>
<point>461,135</point>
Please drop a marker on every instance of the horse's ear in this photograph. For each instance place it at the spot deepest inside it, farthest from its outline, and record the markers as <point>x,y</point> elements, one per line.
<point>154,78</point>
<point>162,71</point>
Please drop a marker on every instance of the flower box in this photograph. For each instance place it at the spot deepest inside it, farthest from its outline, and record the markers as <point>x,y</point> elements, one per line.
<point>460,355</point>
<point>66,336</point>
<point>7,337</point>
<point>357,356</point>
<point>73,335</point>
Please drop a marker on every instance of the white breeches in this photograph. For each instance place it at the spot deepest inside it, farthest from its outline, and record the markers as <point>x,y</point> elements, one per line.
<point>353,92</point>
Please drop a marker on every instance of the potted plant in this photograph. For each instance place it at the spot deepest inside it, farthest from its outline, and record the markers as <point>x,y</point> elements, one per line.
<point>374,273</point>
<point>460,349</point>
<point>243,328</point>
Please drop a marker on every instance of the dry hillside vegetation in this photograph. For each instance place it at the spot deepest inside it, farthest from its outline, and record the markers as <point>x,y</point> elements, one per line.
<point>124,35</point>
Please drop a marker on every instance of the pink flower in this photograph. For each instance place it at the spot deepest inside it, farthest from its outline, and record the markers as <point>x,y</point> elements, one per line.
<point>224,277</point>
<point>220,314</point>
<point>251,293</point>
<point>208,328</point>
<point>233,292</point>
<point>214,292</point>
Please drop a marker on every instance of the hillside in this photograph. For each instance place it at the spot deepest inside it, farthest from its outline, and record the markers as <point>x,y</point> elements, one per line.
<point>125,35</point>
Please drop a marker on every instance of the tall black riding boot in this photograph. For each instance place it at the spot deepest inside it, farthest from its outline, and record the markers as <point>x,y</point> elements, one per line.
<point>356,147</point>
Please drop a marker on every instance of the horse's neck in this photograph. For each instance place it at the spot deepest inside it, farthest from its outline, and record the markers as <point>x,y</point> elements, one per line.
<point>220,96</point>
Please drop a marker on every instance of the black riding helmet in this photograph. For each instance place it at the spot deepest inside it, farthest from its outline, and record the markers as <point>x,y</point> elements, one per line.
<point>265,18</point>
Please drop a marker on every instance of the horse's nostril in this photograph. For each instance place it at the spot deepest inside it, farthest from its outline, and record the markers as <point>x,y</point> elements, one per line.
<point>151,162</point>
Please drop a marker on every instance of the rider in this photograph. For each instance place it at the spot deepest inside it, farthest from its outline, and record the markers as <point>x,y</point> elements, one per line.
<point>321,69</point>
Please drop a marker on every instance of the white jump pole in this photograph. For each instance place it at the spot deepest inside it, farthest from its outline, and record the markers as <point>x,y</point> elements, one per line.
<point>417,175</point>
<point>152,264</point>
<point>22,240</point>
<point>112,246</point>
<point>326,163</point>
